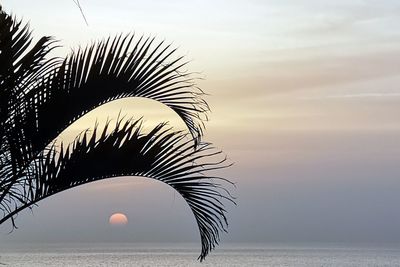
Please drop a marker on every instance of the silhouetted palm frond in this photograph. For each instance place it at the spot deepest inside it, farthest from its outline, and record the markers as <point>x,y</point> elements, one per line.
<point>40,98</point>
<point>105,71</point>
<point>160,154</point>
<point>21,67</point>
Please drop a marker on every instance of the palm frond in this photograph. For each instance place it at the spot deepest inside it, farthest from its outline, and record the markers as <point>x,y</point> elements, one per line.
<point>160,154</point>
<point>109,70</point>
<point>21,66</point>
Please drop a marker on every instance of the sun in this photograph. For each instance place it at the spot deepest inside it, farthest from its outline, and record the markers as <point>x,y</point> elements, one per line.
<point>118,219</point>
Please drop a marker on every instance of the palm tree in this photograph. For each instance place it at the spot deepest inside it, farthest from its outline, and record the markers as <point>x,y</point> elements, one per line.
<point>40,96</point>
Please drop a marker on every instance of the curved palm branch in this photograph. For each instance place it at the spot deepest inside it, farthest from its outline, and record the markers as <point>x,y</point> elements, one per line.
<point>160,154</point>
<point>40,97</point>
<point>101,73</point>
<point>109,70</point>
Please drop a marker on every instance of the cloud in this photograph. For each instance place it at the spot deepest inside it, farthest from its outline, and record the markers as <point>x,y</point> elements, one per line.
<point>359,95</point>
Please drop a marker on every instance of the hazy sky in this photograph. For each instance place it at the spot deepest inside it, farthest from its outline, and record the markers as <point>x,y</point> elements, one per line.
<point>306,101</point>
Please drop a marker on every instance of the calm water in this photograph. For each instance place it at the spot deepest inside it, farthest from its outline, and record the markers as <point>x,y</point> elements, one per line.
<point>185,255</point>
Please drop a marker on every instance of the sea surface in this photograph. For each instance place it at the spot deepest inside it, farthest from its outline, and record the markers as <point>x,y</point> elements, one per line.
<point>111,254</point>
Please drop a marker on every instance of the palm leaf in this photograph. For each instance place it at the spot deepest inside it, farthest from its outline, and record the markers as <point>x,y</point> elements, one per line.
<point>109,70</point>
<point>21,66</point>
<point>160,154</point>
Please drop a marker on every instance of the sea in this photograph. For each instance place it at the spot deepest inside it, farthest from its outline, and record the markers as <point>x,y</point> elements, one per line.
<point>126,254</point>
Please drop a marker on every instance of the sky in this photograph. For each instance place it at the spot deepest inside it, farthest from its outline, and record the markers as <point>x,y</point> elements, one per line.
<point>305,101</point>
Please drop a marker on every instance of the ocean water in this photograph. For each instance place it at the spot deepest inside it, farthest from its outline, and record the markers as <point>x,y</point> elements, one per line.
<point>186,255</point>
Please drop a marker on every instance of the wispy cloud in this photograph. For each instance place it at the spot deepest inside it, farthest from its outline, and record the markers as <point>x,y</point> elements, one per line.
<point>344,96</point>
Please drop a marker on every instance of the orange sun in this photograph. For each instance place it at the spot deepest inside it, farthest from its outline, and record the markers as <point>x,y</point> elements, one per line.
<point>118,219</point>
